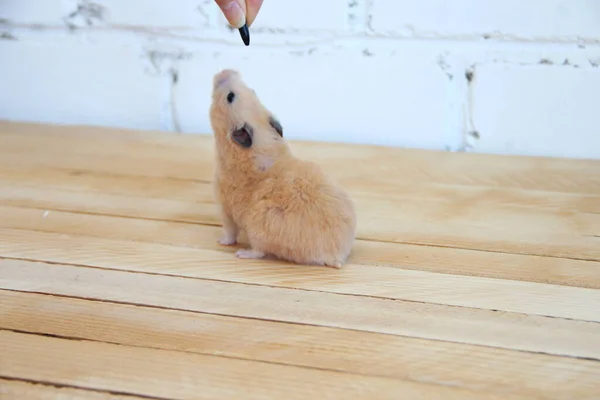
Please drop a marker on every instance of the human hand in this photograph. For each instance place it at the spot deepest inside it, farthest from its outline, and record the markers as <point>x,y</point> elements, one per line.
<point>239,12</point>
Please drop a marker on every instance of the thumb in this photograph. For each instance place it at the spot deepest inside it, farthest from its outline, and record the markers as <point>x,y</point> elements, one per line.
<point>234,11</point>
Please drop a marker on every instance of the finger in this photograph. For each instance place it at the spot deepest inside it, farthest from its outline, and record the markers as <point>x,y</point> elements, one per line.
<point>234,11</point>
<point>252,7</point>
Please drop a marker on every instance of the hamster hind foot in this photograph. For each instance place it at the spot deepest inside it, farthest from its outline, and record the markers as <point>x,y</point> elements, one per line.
<point>249,254</point>
<point>332,262</point>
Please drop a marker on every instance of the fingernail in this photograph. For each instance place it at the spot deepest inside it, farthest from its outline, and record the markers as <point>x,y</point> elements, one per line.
<point>234,14</point>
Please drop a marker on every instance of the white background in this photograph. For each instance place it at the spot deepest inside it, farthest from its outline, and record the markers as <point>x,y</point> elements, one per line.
<point>390,72</point>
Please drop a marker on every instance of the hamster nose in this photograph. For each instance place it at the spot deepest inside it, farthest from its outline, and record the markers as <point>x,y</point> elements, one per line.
<point>224,76</point>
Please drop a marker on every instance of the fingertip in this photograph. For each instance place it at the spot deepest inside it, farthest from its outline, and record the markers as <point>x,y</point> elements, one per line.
<point>234,11</point>
<point>252,7</point>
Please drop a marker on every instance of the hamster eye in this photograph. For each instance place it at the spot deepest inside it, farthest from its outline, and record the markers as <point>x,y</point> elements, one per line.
<point>230,97</point>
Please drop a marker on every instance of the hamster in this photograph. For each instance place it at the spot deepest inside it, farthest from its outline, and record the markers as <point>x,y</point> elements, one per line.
<point>288,208</point>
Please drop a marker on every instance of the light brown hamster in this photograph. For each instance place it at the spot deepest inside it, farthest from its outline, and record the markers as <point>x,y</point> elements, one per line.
<point>288,208</point>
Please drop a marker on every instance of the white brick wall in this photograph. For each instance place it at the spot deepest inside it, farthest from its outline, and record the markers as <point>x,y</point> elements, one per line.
<point>551,20</point>
<point>532,110</point>
<point>302,15</point>
<point>61,83</point>
<point>511,76</point>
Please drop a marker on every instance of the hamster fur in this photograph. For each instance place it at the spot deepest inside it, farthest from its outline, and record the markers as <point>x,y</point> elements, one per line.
<point>287,207</point>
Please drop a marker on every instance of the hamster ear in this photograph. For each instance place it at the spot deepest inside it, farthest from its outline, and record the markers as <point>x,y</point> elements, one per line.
<point>243,136</point>
<point>276,125</point>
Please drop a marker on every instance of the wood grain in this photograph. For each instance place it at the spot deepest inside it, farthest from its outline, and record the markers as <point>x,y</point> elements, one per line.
<point>414,209</point>
<point>574,236</point>
<point>170,374</point>
<point>364,353</point>
<point>393,283</point>
<point>565,216</point>
<point>15,170</point>
<point>385,164</point>
<point>558,271</point>
<point>109,204</point>
<point>473,276</point>
<point>15,389</point>
<point>92,182</point>
<point>426,321</point>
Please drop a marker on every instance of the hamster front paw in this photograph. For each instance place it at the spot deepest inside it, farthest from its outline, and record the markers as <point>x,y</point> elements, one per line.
<point>227,240</point>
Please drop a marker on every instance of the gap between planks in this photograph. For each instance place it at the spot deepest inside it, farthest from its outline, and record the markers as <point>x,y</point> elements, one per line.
<point>451,208</point>
<point>391,283</point>
<point>362,353</point>
<point>570,247</point>
<point>141,186</point>
<point>426,321</point>
<point>30,390</point>
<point>386,163</point>
<point>166,373</point>
<point>557,271</point>
<point>560,182</point>
<point>456,232</point>
<point>559,235</point>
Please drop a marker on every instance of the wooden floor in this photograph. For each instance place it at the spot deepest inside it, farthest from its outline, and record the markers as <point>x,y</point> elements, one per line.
<point>474,277</point>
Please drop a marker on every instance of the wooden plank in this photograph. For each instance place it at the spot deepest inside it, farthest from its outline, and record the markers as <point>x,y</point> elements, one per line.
<point>393,283</point>
<point>426,321</point>
<point>110,164</point>
<point>109,204</point>
<point>80,176</point>
<point>562,213</point>
<point>558,271</point>
<point>491,210</point>
<point>178,375</point>
<point>461,221</point>
<point>433,362</point>
<point>30,129</point>
<point>14,389</point>
<point>574,236</point>
<point>187,170</point>
<point>128,185</point>
<point>477,227</point>
<point>103,141</point>
<point>382,164</point>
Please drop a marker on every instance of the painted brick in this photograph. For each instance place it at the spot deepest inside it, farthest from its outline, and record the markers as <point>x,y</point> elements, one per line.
<point>340,96</point>
<point>77,84</point>
<point>146,13</point>
<point>526,19</point>
<point>158,13</point>
<point>32,11</point>
<point>315,70</point>
<point>537,110</point>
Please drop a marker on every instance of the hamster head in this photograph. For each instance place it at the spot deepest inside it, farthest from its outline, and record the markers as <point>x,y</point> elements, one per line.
<point>240,122</point>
